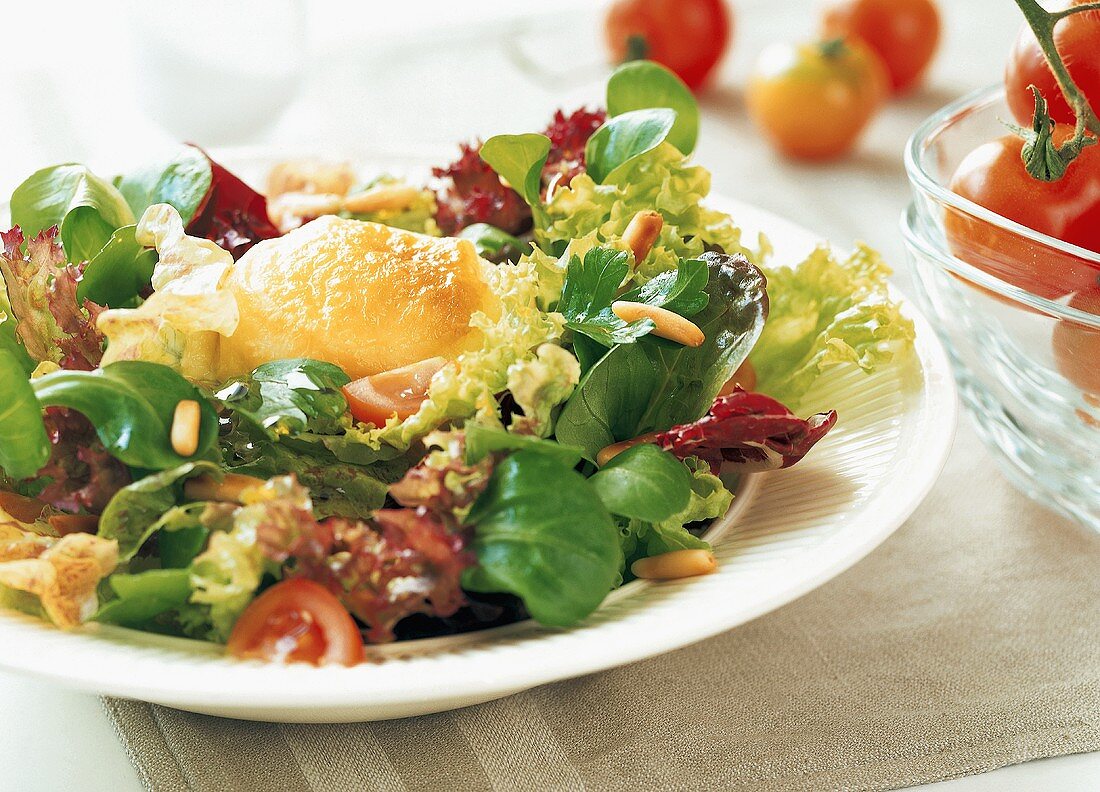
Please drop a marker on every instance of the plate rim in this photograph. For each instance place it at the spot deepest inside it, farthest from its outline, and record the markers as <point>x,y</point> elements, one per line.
<point>348,692</point>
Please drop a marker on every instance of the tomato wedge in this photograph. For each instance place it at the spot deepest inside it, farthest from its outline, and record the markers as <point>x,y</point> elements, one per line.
<point>398,392</point>
<point>297,620</point>
<point>744,378</point>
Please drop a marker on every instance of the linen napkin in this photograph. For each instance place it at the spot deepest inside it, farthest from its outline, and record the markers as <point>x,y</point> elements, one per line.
<point>967,642</point>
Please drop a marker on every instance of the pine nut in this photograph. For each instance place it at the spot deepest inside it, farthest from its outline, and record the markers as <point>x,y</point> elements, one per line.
<point>185,428</point>
<point>387,197</point>
<point>641,232</point>
<point>229,490</point>
<point>608,453</point>
<point>675,565</point>
<point>309,176</point>
<point>668,324</point>
<point>300,204</point>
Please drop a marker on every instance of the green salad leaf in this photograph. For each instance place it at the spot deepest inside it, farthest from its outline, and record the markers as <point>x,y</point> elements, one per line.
<point>590,287</point>
<point>682,290</point>
<point>482,440</point>
<point>24,447</point>
<point>181,179</point>
<point>131,404</point>
<point>642,84</point>
<point>519,160</point>
<point>643,482</point>
<point>86,208</point>
<point>141,597</point>
<point>708,500</point>
<point>655,384</point>
<point>826,312</point>
<point>118,274</point>
<point>491,242</point>
<point>624,138</point>
<point>560,561</point>
<point>661,180</point>
<point>139,510</point>
<point>293,396</point>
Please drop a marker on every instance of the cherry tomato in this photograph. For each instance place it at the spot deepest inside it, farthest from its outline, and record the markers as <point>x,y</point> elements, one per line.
<point>993,176</point>
<point>744,378</point>
<point>687,36</point>
<point>1077,39</point>
<point>379,397</point>
<point>904,33</point>
<point>1077,346</point>
<point>813,100</point>
<point>297,620</point>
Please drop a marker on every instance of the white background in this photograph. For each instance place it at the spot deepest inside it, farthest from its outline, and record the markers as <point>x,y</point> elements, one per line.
<point>109,82</point>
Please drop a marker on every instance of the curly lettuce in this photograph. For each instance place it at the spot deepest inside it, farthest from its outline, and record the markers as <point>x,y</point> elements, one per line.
<point>468,386</point>
<point>180,324</point>
<point>661,179</point>
<point>826,312</point>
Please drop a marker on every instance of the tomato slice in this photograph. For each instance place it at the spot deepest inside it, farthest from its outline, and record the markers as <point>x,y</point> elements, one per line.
<point>401,391</point>
<point>297,620</point>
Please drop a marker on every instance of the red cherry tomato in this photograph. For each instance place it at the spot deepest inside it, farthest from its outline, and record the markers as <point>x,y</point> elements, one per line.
<point>297,620</point>
<point>1077,346</point>
<point>993,176</point>
<point>1077,39</point>
<point>904,33</point>
<point>687,36</point>
<point>379,397</point>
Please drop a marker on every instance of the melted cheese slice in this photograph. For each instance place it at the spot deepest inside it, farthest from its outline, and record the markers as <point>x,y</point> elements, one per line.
<point>364,296</point>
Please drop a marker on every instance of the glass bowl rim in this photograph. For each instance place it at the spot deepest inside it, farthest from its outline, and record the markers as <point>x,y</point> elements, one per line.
<point>919,242</point>
<point>923,181</point>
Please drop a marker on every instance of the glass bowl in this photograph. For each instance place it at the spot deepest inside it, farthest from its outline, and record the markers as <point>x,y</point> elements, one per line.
<point>1027,360</point>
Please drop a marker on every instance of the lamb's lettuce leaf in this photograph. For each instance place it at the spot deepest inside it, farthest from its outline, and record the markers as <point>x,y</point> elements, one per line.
<point>24,447</point>
<point>120,272</point>
<point>139,598</point>
<point>132,405</point>
<point>180,178</point>
<point>291,396</point>
<point>624,138</point>
<point>642,84</point>
<point>519,160</point>
<point>645,483</point>
<point>86,208</point>
<point>560,561</point>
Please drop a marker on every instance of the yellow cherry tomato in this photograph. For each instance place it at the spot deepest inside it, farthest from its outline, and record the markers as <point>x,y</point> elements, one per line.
<point>812,101</point>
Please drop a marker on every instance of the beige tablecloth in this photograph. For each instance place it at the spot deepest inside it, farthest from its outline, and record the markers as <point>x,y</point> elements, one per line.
<point>967,642</point>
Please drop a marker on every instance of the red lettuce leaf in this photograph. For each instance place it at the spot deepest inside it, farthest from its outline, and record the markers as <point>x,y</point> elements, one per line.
<point>473,192</point>
<point>232,214</point>
<point>51,321</point>
<point>83,475</point>
<point>749,431</point>
<point>399,563</point>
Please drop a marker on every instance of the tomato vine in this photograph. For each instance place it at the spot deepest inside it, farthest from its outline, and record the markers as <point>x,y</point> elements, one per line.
<point>1042,158</point>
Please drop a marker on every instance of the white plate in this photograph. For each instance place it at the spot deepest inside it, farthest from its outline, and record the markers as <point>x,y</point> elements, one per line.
<point>787,533</point>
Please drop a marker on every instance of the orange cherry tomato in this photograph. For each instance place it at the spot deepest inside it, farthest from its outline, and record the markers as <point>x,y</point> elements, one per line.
<point>379,397</point>
<point>813,100</point>
<point>993,176</point>
<point>1077,346</point>
<point>1077,39</point>
<point>297,620</point>
<point>904,33</point>
<point>689,37</point>
<point>744,377</point>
